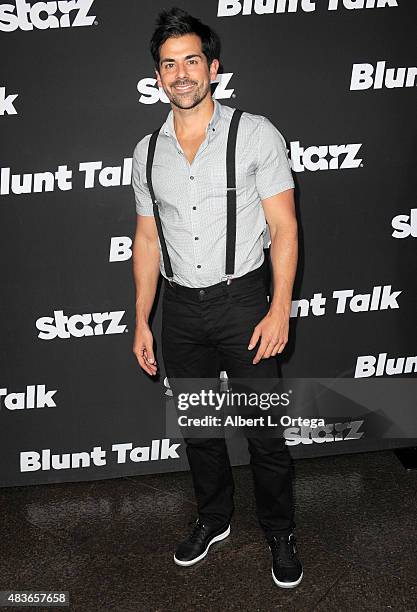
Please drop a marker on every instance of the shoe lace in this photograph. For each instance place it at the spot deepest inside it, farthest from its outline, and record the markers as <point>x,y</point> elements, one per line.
<point>197,532</point>
<point>283,549</point>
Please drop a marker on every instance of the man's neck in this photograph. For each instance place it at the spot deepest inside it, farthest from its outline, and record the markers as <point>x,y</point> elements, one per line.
<point>191,122</point>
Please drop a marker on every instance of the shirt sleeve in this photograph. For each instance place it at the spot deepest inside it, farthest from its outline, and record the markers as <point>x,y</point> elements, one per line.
<point>144,205</point>
<point>273,172</point>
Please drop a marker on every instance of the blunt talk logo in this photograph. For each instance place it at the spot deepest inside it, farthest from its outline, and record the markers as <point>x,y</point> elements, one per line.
<point>382,365</point>
<point>45,15</point>
<point>35,396</point>
<point>405,226</point>
<point>120,248</point>
<point>347,300</point>
<point>150,92</point>
<point>367,76</point>
<point>229,8</point>
<point>38,182</point>
<point>80,325</point>
<point>6,102</point>
<point>45,460</point>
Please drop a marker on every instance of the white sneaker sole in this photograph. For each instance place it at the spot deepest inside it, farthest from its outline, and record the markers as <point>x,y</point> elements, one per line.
<point>218,538</point>
<point>287,585</point>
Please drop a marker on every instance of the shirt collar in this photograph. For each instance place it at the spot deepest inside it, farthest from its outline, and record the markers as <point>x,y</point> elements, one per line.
<point>168,126</point>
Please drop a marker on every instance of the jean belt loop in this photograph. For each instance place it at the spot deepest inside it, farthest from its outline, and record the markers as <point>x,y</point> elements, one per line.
<point>224,288</point>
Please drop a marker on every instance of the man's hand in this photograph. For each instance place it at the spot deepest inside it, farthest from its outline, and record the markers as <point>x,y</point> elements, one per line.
<point>143,348</point>
<point>272,330</point>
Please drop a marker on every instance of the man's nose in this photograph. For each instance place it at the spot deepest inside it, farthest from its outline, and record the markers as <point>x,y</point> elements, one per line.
<point>181,71</point>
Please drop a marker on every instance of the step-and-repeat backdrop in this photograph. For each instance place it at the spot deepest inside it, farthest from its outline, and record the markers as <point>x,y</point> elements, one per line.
<point>77,92</point>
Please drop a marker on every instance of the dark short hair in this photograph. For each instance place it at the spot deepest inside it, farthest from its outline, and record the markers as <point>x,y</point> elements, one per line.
<point>177,22</point>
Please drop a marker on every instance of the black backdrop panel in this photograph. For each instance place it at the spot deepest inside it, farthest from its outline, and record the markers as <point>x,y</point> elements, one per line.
<point>77,93</point>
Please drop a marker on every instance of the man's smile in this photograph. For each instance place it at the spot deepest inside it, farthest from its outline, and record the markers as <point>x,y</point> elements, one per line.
<point>184,88</point>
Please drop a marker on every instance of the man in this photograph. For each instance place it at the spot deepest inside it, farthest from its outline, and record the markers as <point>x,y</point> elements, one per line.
<point>216,316</point>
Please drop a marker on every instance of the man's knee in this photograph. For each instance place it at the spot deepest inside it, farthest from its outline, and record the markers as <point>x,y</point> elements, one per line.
<point>263,447</point>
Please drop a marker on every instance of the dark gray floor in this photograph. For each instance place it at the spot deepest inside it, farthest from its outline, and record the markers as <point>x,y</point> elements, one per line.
<point>110,543</point>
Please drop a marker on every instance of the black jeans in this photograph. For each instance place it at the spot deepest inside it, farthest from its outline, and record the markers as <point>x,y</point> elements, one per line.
<point>205,331</point>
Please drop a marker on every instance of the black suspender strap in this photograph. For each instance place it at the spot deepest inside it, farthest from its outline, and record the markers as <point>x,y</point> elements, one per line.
<point>231,192</point>
<point>149,162</point>
<point>231,196</point>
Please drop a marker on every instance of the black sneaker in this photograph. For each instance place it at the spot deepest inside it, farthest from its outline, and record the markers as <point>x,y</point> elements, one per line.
<point>196,545</point>
<point>287,570</point>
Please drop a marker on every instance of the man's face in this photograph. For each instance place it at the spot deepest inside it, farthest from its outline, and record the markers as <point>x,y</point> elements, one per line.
<point>183,71</point>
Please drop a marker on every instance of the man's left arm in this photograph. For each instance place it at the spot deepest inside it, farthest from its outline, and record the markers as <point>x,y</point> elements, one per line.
<point>272,330</point>
<point>275,186</point>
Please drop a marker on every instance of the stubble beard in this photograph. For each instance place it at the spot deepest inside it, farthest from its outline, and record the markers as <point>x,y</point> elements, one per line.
<point>197,96</point>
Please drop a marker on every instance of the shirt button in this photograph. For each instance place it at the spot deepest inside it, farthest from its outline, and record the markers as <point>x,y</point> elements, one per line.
<point>198,266</point>
<point>194,207</point>
<point>201,292</point>
<point>195,237</point>
<point>191,178</point>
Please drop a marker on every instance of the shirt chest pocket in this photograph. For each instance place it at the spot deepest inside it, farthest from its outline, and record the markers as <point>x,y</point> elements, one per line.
<point>217,187</point>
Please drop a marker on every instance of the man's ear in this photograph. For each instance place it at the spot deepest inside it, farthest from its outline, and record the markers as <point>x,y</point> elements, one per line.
<point>158,78</point>
<point>214,68</point>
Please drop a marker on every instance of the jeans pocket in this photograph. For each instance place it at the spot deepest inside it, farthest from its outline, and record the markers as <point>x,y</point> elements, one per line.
<point>251,296</point>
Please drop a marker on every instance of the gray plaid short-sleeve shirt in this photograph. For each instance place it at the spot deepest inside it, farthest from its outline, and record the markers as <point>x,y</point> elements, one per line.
<point>192,198</point>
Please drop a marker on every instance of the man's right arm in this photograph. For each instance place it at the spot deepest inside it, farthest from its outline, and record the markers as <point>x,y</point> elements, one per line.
<point>145,255</point>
